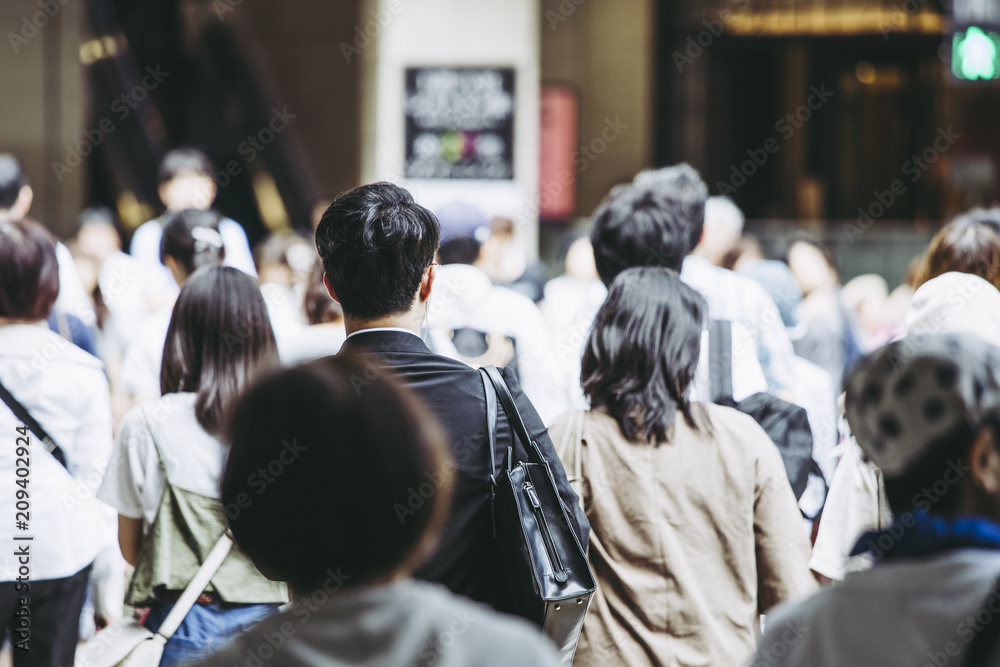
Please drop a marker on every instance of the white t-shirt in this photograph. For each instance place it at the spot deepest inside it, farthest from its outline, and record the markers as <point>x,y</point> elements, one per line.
<point>402,623</point>
<point>65,390</point>
<point>312,342</point>
<point>194,459</point>
<point>144,355</point>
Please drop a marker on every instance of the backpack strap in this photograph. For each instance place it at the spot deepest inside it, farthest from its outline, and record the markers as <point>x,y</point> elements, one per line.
<point>25,417</point>
<point>720,361</point>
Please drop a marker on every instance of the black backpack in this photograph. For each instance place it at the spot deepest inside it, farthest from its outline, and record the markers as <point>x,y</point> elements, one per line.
<point>785,423</point>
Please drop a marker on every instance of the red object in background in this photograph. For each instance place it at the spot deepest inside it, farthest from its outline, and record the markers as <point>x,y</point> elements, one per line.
<point>557,146</point>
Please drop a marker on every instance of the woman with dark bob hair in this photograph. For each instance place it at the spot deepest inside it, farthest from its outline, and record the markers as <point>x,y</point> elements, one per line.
<point>169,455</point>
<point>47,496</point>
<point>359,490</point>
<point>694,527</point>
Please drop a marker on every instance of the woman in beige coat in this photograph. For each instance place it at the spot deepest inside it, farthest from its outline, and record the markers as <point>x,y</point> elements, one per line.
<point>695,530</point>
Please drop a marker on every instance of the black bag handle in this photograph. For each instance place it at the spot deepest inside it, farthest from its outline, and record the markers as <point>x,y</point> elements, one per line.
<point>491,422</point>
<point>22,414</point>
<point>517,424</point>
<point>720,352</point>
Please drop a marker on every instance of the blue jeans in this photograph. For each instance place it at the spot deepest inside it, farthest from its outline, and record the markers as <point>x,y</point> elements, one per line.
<point>205,629</point>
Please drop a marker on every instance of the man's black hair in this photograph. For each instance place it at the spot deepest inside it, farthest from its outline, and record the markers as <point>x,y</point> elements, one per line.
<point>682,183</point>
<point>375,242</point>
<point>638,226</point>
<point>11,180</point>
<point>184,161</point>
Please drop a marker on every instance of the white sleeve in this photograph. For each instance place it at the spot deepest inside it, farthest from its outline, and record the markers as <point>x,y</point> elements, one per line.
<point>133,468</point>
<point>145,245</point>
<point>852,507</point>
<point>73,298</point>
<point>238,253</point>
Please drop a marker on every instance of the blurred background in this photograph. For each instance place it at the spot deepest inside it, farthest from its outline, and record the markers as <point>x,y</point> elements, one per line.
<point>868,123</point>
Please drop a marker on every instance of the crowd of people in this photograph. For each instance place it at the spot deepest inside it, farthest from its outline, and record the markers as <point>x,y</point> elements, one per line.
<point>764,466</point>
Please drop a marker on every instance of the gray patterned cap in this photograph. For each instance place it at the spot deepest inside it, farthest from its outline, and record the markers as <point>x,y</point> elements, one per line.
<point>902,400</point>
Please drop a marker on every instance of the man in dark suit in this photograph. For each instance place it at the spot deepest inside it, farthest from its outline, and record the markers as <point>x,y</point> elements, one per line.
<point>378,248</point>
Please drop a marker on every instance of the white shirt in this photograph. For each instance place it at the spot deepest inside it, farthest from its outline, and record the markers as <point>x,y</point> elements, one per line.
<point>140,373</point>
<point>464,296</point>
<point>906,612</point>
<point>312,342</point>
<point>65,390</point>
<point>73,298</point>
<point>145,247</point>
<point>401,623</point>
<point>124,282</point>
<point>194,459</point>
<point>743,301</point>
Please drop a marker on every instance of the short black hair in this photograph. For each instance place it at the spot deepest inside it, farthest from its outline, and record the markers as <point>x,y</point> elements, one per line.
<point>639,227</point>
<point>682,183</point>
<point>462,250</point>
<point>192,237</point>
<point>219,340</point>
<point>642,352</point>
<point>12,179</point>
<point>184,161</point>
<point>375,242</point>
<point>351,457</point>
<point>29,271</point>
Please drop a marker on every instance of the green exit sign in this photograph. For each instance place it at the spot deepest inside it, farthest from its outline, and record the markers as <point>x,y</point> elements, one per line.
<point>975,54</point>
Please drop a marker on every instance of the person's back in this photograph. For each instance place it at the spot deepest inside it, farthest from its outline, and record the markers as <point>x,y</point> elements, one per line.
<point>169,457</point>
<point>929,417</point>
<point>905,612</point>
<point>378,247</point>
<point>673,539</point>
<point>55,526</point>
<point>348,561</point>
<point>695,529</point>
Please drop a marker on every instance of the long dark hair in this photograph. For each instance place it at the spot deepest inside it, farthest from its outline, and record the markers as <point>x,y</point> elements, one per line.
<point>219,340</point>
<point>643,350</point>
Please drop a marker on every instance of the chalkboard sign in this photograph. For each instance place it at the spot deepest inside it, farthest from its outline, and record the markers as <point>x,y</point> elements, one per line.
<point>460,122</point>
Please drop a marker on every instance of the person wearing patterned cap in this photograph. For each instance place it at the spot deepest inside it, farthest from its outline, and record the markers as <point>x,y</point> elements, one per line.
<point>927,413</point>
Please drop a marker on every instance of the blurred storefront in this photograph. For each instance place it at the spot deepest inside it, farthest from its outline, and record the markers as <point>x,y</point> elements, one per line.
<point>815,113</point>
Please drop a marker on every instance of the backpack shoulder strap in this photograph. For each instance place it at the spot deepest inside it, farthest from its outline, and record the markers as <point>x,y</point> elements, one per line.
<point>720,361</point>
